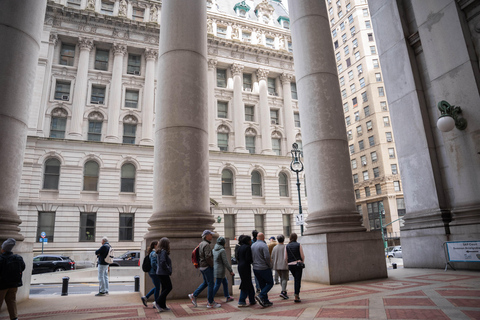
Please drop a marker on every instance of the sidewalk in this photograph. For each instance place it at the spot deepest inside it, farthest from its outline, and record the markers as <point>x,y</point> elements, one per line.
<point>406,294</point>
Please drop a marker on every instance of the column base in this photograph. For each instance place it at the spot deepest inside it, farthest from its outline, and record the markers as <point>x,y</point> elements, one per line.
<point>336,258</point>
<point>241,150</point>
<point>185,278</point>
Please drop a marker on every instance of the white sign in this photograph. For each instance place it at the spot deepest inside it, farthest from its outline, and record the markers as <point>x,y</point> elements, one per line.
<point>299,219</point>
<point>464,251</point>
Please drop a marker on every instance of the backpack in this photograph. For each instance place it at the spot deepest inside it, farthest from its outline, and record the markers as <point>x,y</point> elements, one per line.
<point>110,255</point>
<point>12,268</point>
<point>147,264</point>
<point>196,257</point>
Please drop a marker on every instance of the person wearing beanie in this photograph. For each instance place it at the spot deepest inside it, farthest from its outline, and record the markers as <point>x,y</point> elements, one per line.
<point>11,270</point>
<point>220,262</point>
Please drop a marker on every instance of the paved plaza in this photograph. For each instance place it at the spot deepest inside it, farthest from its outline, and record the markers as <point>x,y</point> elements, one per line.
<point>406,294</point>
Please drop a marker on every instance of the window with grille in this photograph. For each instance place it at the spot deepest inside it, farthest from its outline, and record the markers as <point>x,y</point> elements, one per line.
<point>134,63</point>
<point>87,226</point>
<point>131,99</point>
<point>293,89</point>
<point>227,183</point>
<point>95,130</point>
<point>126,226</point>
<point>256,181</point>
<point>355,178</point>
<point>222,109</point>
<point>222,141</point>
<point>127,183</point>
<point>221,78</point>
<point>247,82</point>
<point>283,184</point>
<point>67,54</point>
<point>249,113</point>
<point>98,95</point>
<point>229,225</point>
<point>129,133</point>
<point>101,60</point>
<point>58,125</point>
<point>90,176</point>
<point>296,117</point>
<point>250,143</point>
<point>51,174</point>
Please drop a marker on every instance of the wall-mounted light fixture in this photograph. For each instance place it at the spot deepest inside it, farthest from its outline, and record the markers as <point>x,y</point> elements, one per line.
<point>449,117</point>
<point>219,219</point>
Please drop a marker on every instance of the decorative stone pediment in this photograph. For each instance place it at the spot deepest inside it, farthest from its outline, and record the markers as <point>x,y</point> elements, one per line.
<point>129,119</point>
<point>262,74</point>
<point>250,132</point>
<point>264,11</point>
<point>154,14</point>
<point>95,116</point>
<point>276,135</point>
<point>122,8</point>
<point>237,69</point>
<point>212,63</point>
<point>223,129</point>
<point>59,113</point>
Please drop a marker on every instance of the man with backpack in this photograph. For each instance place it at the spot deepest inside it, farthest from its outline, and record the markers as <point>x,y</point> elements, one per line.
<point>11,268</point>
<point>102,254</point>
<point>206,268</point>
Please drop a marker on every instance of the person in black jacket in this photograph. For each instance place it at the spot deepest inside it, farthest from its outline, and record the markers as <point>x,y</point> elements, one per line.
<point>164,271</point>
<point>244,253</point>
<point>293,255</point>
<point>11,268</point>
<point>103,267</point>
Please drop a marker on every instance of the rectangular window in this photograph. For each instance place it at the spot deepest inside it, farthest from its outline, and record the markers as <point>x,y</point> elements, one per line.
<point>373,155</point>
<point>138,14</point>
<point>371,141</point>
<point>348,62</point>
<point>370,37</point>
<point>222,141</point>
<point>57,127</point>
<point>365,175</point>
<point>355,102</point>
<point>388,135</point>
<point>338,56</point>
<point>345,107</point>
<point>101,59</point>
<point>271,86</point>
<point>369,125</point>
<point>126,227</point>
<point>373,50</point>
<point>352,88</point>
<point>376,172</point>
<point>386,122</point>
<point>330,11</point>
<point>276,147</point>
<point>335,44</point>
<point>394,168</point>
<point>222,109</point>
<point>367,24</point>
<point>347,120</point>
<point>357,115</point>
<point>293,89</point>
<point>350,75</point>
<point>383,104</point>
<point>296,117</point>
<point>378,189</point>
<point>74,3</point>
<point>67,54</point>
<point>62,90</point>
<point>342,81</point>
<point>250,143</point>
<point>351,148</point>
<point>381,92</point>
<point>87,226</point>
<point>270,42</point>
<point>359,131</point>
<point>46,223</point>
<point>332,21</point>
<point>354,163</point>
<point>344,37</point>
<point>401,207</point>
<point>229,225</point>
<point>247,82</point>
<point>361,145</point>
<point>350,19</point>
<point>352,31</point>
<point>366,111</point>
<point>355,178</point>
<point>359,69</point>
<point>396,185</point>
<point>355,43</point>
<point>94,130</point>
<point>378,77</point>
<point>334,33</point>
<point>246,36</point>
<point>367,191</point>
<point>340,14</point>
<point>107,8</point>
<point>349,6</point>
<point>129,133</point>
<point>349,135</point>
<point>375,63</point>
<point>365,12</point>
<point>391,153</point>
<point>287,224</point>
<point>134,63</point>
<point>221,78</point>
<point>357,194</point>
<point>260,222</point>
<point>290,47</point>
<point>342,26</point>
<point>344,93</point>
<point>131,99</point>
<point>340,68</point>
<point>98,95</point>
<point>249,113</point>
<point>374,214</point>
<point>221,32</point>
<point>346,50</point>
<point>274,116</point>
<point>357,55</point>
<point>364,96</point>
<point>363,160</point>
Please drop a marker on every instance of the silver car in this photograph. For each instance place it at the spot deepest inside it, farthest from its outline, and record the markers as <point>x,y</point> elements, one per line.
<point>394,252</point>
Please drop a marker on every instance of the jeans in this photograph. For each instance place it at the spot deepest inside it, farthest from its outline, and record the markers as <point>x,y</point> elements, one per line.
<point>297,276</point>
<point>208,281</point>
<point>10,296</point>
<point>265,279</point>
<point>156,289</point>
<point>244,294</point>
<point>103,277</point>
<point>219,282</point>
<point>166,288</point>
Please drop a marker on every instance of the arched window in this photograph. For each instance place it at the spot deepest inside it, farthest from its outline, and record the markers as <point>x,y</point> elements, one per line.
<point>129,129</point>
<point>95,121</point>
<point>256,184</point>
<point>283,184</point>
<point>128,178</point>
<point>90,176</point>
<point>51,175</point>
<point>227,183</point>
<point>58,123</point>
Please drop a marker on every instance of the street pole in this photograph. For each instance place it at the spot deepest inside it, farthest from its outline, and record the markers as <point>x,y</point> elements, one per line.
<point>297,166</point>
<point>299,203</point>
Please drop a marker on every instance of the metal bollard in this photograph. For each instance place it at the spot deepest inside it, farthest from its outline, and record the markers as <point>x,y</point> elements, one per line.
<point>394,265</point>
<point>65,286</point>
<point>137,283</point>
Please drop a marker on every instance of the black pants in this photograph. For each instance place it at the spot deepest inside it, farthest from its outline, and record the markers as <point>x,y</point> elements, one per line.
<point>297,277</point>
<point>166,288</point>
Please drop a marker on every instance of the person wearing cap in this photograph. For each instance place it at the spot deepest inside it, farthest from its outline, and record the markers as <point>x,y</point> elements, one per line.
<point>220,262</point>
<point>206,268</point>
<point>272,245</point>
<point>11,269</point>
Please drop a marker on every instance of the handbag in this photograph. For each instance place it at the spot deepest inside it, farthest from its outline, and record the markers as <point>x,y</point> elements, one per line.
<point>299,264</point>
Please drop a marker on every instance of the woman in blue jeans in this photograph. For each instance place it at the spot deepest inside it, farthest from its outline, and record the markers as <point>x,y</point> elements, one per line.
<point>220,262</point>
<point>153,274</point>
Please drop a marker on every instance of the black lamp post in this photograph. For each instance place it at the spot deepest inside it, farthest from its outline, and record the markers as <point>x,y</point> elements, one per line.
<point>297,166</point>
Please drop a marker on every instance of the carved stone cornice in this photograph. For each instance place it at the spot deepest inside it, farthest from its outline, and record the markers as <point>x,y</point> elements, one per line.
<point>212,63</point>
<point>237,69</point>
<point>286,78</point>
<point>85,44</point>
<point>53,39</point>
<point>262,74</point>
<point>151,54</point>
<point>119,49</point>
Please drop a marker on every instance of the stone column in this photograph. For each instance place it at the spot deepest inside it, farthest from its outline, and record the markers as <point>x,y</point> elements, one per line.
<point>80,91</point>
<point>238,108</point>
<point>212,137</point>
<point>119,51</point>
<point>181,206</point>
<point>289,124</point>
<point>47,84</point>
<point>21,27</point>
<point>148,97</point>
<point>333,224</point>
<point>264,109</point>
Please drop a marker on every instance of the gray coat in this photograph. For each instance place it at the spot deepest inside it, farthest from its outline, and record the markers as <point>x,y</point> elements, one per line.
<point>220,262</point>
<point>278,257</point>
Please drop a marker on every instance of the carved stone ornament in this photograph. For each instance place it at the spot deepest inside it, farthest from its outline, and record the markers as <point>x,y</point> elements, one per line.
<point>236,32</point>
<point>298,137</point>
<point>59,113</point>
<point>130,119</point>
<point>212,63</point>
<point>95,116</point>
<point>276,135</point>
<point>223,129</point>
<point>120,34</point>
<point>122,8</point>
<point>209,26</point>
<point>262,74</point>
<point>237,69</point>
<point>87,28</point>
<point>250,132</point>
<point>90,5</point>
<point>265,7</point>
<point>153,13</point>
<point>53,39</point>
<point>85,44</point>
<point>151,54</point>
<point>286,77</point>
<point>119,49</point>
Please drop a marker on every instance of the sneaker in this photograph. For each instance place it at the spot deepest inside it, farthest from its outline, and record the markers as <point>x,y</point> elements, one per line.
<point>213,305</point>
<point>193,299</point>
<point>297,298</point>
<point>144,301</point>
<point>100,294</point>
<point>229,299</point>
<point>242,305</point>
<point>166,309</point>
<point>260,301</point>
<point>158,308</point>
<point>154,304</point>
<point>267,304</point>
<point>283,294</point>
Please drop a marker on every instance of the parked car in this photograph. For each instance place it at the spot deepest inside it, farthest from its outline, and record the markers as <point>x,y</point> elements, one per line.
<point>52,263</point>
<point>128,259</point>
<point>395,252</point>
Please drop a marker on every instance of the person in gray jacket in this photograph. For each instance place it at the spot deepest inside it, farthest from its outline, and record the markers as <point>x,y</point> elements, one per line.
<point>262,268</point>
<point>280,264</point>
<point>220,262</point>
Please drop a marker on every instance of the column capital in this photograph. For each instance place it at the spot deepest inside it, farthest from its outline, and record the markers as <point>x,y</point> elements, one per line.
<point>212,63</point>
<point>53,39</point>
<point>286,78</point>
<point>237,69</point>
<point>262,74</point>
<point>151,54</point>
<point>85,43</point>
<point>119,49</point>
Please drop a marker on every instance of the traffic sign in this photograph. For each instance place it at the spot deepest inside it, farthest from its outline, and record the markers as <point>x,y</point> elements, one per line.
<point>299,220</point>
<point>45,240</point>
<point>43,234</point>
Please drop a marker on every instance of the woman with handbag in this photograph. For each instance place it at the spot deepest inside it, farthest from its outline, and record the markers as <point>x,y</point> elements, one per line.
<point>164,271</point>
<point>295,260</point>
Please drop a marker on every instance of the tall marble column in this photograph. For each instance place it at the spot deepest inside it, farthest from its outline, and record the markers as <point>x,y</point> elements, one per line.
<point>148,97</point>
<point>333,224</point>
<point>262,75</point>
<point>238,108</point>
<point>289,124</point>
<point>21,27</point>
<point>80,91</point>
<point>119,51</point>
<point>181,205</point>
<point>212,137</point>
<point>47,84</point>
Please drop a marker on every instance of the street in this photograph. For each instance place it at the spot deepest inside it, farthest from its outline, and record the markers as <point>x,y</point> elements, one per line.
<point>79,288</point>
